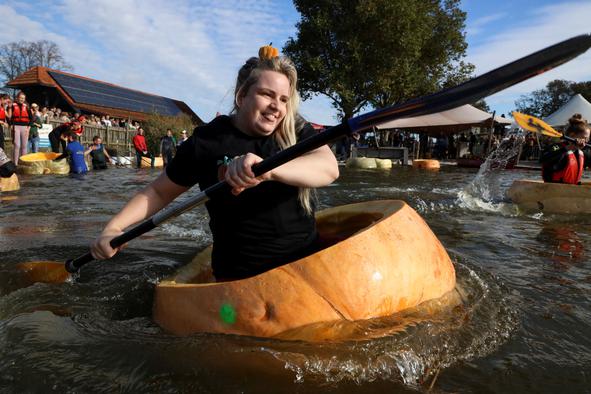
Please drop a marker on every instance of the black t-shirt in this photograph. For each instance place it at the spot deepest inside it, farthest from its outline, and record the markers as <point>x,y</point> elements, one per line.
<point>261,228</point>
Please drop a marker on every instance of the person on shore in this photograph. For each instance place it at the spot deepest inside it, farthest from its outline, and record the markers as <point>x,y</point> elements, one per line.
<point>167,147</point>
<point>98,153</point>
<point>254,228</point>
<point>36,124</point>
<point>141,148</point>
<point>58,136</point>
<point>5,113</point>
<point>75,153</point>
<point>564,162</point>
<point>183,138</point>
<point>20,119</point>
<point>78,125</point>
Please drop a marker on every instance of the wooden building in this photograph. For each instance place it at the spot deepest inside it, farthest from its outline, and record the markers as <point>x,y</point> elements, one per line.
<point>74,93</point>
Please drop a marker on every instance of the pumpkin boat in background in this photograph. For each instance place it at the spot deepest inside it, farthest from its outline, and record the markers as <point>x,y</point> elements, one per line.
<point>379,258</point>
<point>42,163</point>
<point>540,196</point>
<point>426,164</point>
<point>9,184</point>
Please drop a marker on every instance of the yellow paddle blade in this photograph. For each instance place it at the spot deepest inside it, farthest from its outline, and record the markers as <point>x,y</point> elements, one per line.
<point>531,123</point>
<point>44,271</point>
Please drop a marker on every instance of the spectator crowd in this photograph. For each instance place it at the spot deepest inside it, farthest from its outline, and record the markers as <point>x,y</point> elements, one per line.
<point>23,122</point>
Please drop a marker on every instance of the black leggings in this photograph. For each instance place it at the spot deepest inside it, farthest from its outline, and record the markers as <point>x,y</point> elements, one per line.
<point>55,142</point>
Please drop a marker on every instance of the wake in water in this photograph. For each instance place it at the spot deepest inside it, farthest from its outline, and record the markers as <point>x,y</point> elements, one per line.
<point>418,344</point>
<point>484,192</point>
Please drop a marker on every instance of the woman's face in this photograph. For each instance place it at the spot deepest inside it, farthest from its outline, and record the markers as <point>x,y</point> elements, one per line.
<point>264,106</point>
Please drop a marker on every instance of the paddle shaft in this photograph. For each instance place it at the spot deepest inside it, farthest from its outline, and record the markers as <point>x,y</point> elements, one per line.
<point>468,92</point>
<point>573,141</point>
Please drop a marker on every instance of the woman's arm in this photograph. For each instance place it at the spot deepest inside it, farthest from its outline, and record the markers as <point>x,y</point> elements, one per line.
<point>147,202</point>
<point>316,168</point>
<point>313,169</point>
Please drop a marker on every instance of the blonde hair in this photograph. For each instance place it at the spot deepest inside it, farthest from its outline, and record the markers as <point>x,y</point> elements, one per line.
<point>286,133</point>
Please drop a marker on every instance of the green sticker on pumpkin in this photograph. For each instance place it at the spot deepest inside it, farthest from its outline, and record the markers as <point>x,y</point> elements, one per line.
<point>228,314</point>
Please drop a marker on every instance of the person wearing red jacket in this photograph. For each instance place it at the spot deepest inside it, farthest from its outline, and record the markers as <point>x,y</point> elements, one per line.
<point>5,112</point>
<point>141,149</point>
<point>21,120</point>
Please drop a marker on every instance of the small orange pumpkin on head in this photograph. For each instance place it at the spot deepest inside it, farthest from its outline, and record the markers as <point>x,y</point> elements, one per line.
<point>268,52</point>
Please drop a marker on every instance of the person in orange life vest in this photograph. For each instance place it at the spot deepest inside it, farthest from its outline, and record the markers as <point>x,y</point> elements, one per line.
<point>20,119</point>
<point>56,136</point>
<point>141,149</point>
<point>564,162</point>
<point>5,112</point>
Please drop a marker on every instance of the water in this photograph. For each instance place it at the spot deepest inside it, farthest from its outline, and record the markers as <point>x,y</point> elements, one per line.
<point>522,323</point>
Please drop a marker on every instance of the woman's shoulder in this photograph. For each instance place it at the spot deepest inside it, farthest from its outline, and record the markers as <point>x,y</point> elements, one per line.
<point>218,127</point>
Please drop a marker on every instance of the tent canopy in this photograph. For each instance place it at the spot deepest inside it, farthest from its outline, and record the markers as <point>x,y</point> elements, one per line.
<point>576,105</point>
<point>453,120</point>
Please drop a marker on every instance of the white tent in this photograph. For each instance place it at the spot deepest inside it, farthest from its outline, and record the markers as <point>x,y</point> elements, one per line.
<point>576,105</point>
<point>466,115</point>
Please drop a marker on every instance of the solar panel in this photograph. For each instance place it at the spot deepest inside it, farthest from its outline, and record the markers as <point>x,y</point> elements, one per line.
<point>84,91</point>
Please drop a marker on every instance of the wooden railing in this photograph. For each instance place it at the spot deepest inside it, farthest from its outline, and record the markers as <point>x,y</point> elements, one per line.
<point>117,138</point>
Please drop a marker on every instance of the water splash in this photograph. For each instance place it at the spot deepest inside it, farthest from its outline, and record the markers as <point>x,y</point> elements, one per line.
<point>484,193</point>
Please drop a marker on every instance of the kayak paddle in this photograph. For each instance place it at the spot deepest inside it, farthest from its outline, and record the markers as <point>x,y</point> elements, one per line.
<point>465,93</point>
<point>533,124</point>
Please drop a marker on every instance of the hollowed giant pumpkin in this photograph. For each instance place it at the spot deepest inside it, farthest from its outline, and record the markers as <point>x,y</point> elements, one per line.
<point>380,258</point>
<point>42,163</point>
<point>540,196</point>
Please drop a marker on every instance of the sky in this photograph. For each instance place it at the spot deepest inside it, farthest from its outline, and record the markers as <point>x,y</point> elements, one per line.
<point>191,50</point>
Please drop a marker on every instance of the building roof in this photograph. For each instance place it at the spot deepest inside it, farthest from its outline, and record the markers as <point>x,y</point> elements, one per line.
<point>100,97</point>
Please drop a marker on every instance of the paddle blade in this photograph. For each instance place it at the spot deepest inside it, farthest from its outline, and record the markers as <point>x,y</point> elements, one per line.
<point>44,271</point>
<point>531,123</point>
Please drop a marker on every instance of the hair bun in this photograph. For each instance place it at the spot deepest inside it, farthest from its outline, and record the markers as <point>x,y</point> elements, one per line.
<point>576,119</point>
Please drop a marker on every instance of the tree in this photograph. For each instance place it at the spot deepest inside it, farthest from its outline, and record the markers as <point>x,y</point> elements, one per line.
<point>377,52</point>
<point>482,105</point>
<point>543,102</point>
<point>18,57</point>
<point>156,125</point>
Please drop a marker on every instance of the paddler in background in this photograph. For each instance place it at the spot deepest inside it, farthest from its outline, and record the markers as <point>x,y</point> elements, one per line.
<point>256,228</point>
<point>564,162</point>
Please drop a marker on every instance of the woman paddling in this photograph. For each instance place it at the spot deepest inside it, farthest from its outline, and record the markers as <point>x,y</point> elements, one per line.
<point>564,162</point>
<point>256,228</point>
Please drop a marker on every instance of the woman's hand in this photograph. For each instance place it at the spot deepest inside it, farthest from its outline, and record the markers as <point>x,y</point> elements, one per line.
<point>101,248</point>
<point>239,174</point>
